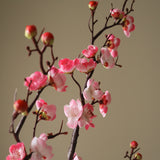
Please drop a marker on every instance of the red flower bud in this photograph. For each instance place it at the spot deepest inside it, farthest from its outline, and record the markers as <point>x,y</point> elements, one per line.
<point>20,106</point>
<point>93,5</point>
<point>47,38</point>
<point>133,144</point>
<point>30,31</point>
<point>138,156</point>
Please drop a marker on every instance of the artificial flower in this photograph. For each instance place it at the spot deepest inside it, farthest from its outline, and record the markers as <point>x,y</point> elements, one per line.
<point>57,79</point>
<point>73,112</point>
<point>92,91</point>
<point>35,81</point>
<point>47,112</point>
<point>85,66</point>
<point>40,149</point>
<point>90,52</point>
<point>17,152</point>
<point>106,59</point>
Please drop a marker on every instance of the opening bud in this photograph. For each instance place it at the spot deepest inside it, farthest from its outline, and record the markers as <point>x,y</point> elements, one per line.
<point>47,38</point>
<point>20,106</point>
<point>138,156</point>
<point>93,5</point>
<point>30,31</point>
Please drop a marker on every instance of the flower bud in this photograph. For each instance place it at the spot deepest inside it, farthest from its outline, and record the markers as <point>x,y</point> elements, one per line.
<point>138,156</point>
<point>47,38</point>
<point>30,31</point>
<point>133,144</point>
<point>93,5</point>
<point>20,106</point>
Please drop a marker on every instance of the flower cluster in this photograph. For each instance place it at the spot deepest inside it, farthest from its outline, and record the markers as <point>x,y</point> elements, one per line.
<point>127,21</point>
<point>80,112</point>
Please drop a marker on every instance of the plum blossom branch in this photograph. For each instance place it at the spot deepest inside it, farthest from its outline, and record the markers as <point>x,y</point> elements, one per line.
<point>115,23</point>
<point>40,35</point>
<point>79,114</point>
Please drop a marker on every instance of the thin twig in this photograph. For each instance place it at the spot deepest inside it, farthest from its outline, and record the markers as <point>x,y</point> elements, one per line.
<point>36,122</point>
<point>80,89</point>
<point>51,136</point>
<point>40,35</point>
<point>124,5</point>
<point>89,24</point>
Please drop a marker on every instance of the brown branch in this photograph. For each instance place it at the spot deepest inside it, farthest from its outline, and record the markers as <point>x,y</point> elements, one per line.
<point>116,63</point>
<point>131,8</point>
<point>53,59</point>
<point>41,61</point>
<point>89,24</point>
<point>105,28</point>
<point>92,33</point>
<point>36,122</point>
<point>28,91</point>
<point>133,151</point>
<point>50,136</point>
<point>124,5</point>
<point>73,143</point>
<point>40,35</point>
<point>80,89</point>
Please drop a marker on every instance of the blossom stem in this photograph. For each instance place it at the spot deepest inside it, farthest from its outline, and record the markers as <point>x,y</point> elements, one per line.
<point>92,26</point>
<point>124,5</point>
<point>73,143</point>
<point>37,120</point>
<point>40,35</point>
<point>80,89</point>
<point>50,136</point>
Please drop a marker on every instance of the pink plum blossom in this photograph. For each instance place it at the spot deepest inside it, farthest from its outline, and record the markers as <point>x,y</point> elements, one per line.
<point>35,81</point>
<point>87,116</point>
<point>92,91</point>
<point>57,79</point>
<point>117,13</point>
<point>106,59</point>
<point>128,25</point>
<point>47,112</point>
<point>85,66</point>
<point>17,152</point>
<point>73,111</point>
<point>105,101</point>
<point>76,157</point>
<point>113,44</point>
<point>40,149</point>
<point>66,65</point>
<point>90,52</point>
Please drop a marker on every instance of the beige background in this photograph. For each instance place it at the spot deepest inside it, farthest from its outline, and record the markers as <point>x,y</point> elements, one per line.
<point>134,111</point>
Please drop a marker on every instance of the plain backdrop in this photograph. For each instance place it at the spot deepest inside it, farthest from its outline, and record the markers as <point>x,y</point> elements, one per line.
<point>134,111</point>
